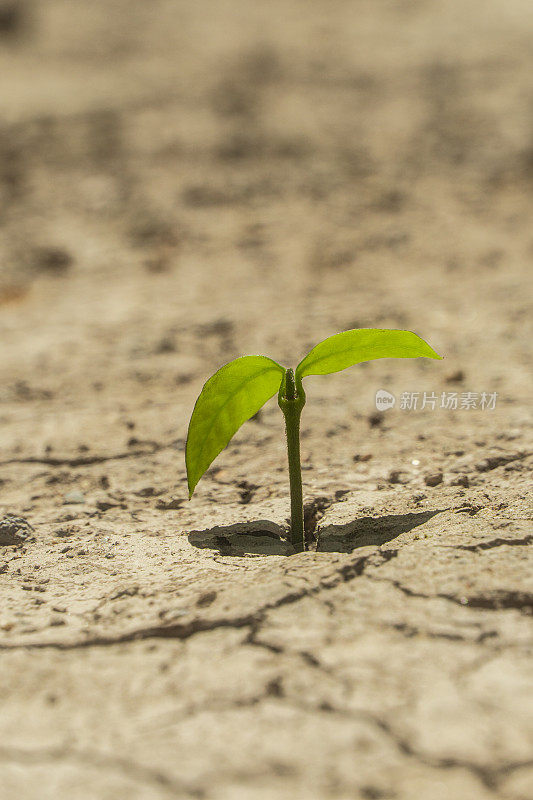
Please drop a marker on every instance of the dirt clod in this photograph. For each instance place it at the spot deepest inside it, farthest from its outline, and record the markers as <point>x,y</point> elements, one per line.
<point>433,479</point>
<point>14,530</point>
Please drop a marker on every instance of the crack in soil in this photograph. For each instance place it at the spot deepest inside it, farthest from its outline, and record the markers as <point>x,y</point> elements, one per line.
<point>501,600</point>
<point>308,658</point>
<point>247,492</point>
<point>183,631</point>
<point>494,543</point>
<point>217,706</point>
<point>488,775</point>
<point>129,769</point>
<point>313,513</point>
<point>410,631</point>
<point>498,601</point>
<point>83,461</point>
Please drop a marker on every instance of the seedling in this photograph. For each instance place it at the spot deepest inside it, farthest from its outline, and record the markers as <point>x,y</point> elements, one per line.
<point>239,389</point>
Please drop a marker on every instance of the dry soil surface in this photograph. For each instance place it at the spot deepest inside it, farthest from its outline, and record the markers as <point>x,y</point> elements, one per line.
<point>185,182</point>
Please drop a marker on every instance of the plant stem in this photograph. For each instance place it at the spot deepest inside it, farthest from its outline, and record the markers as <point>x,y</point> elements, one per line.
<point>291,400</point>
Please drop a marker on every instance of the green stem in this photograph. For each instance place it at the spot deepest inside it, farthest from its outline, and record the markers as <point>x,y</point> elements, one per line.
<point>291,400</point>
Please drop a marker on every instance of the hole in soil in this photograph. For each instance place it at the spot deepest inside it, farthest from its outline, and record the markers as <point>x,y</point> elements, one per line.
<point>313,512</point>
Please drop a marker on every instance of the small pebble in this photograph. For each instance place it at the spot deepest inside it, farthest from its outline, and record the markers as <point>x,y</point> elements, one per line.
<point>398,476</point>
<point>73,497</point>
<point>63,532</point>
<point>456,377</point>
<point>206,599</point>
<point>146,491</point>
<point>170,505</point>
<point>462,480</point>
<point>434,479</point>
<point>105,505</point>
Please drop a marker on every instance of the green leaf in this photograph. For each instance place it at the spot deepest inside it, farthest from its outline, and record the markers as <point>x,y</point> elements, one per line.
<point>231,396</point>
<point>365,344</point>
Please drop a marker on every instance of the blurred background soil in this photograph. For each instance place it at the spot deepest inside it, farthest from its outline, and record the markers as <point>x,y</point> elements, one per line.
<point>185,182</point>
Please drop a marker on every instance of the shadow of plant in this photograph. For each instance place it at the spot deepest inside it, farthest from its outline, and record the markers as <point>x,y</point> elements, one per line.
<point>266,538</point>
<point>368,531</point>
<point>244,538</point>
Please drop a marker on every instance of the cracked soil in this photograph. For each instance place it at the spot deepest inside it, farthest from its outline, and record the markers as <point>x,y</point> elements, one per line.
<point>182,183</point>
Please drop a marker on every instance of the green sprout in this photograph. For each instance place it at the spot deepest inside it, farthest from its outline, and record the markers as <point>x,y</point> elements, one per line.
<point>239,389</point>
